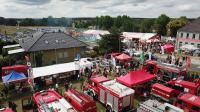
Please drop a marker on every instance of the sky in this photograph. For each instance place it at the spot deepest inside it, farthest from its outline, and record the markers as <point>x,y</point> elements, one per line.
<point>93,8</point>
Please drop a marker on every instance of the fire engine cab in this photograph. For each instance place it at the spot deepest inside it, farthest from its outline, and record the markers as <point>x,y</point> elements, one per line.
<point>155,106</point>
<point>115,96</point>
<point>80,101</point>
<point>188,102</point>
<point>163,92</point>
<point>51,101</point>
<point>185,86</point>
<point>164,71</point>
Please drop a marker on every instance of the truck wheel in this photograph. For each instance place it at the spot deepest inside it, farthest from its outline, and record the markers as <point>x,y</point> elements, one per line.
<point>108,108</point>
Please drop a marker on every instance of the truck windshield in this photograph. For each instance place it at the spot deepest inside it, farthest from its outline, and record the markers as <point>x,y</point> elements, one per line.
<point>195,108</point>
<point>150,69</point>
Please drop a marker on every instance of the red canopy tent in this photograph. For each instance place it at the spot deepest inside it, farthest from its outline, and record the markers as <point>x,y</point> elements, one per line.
<point>134,78</point>
<point>168,48</point>
<point>123,57</point>
<point>115,54</point>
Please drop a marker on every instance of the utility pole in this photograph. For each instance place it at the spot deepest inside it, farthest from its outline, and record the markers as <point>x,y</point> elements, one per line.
<point>119,45</point>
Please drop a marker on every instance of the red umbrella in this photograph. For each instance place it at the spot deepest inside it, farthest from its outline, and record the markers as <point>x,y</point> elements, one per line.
<point>123,57</point>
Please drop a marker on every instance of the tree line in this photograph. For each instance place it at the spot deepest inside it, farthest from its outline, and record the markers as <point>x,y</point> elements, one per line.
<point>49,21</point>
<point>163,25</point>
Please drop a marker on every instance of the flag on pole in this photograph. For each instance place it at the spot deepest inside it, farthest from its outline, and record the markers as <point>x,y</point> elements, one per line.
<point>142,58</point>
<point>188,62</point>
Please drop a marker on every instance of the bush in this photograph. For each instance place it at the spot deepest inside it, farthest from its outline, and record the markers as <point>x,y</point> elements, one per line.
<point>6,61</point>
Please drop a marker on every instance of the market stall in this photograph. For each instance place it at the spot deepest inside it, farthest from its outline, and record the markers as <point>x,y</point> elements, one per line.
<point>168,48</point>
<point>135,78</point>
<point>188,47</point>
<point>139,80</point>
<point>14,77</point>
<point>123,57</point>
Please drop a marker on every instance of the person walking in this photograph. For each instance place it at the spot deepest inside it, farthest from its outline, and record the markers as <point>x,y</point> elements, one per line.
<point>66,84</point>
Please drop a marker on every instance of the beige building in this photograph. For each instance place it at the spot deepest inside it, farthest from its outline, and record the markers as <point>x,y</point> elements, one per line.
<point>189,35</point>
<point>52,48</point>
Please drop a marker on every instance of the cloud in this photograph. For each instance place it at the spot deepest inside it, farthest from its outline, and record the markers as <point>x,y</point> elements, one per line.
<point>33,2</point>
<point>92,8</point>
<point>188,7</point>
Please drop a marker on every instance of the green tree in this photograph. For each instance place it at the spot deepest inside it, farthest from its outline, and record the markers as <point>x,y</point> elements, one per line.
<point>110,43</point>
<point>146,25</point>
<point>2,20</point>
<point>107,22</point>
<point>127,26</point>
<point>118,22</point>
<point>175,24</point>
<point>160,24</point>
<point>28,22</point>
<point>11,22</point>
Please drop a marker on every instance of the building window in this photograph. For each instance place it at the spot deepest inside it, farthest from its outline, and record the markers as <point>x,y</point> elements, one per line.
<point>198,45</point>
<point>192,43</point>
<point>187,35</point>
<point>180,44</point>
<point>186,42</point>
<point>193,36</point>
<point>181,34</point>
<point>65,54</point>
<point>62,55</point>
<point>199,36</point>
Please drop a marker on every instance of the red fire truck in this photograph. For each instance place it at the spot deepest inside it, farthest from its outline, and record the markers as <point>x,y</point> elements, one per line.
<point>185,86</point>
<point>164,71</point>
<point>163,92</point>
<point>115,96</point>
<point>188,102</point>
<point>51,101</point>
<point>18,68</point>
<point>81,102</point>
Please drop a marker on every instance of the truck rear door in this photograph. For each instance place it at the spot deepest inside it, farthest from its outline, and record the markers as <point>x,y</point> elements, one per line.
<point>115,104</point>
<point>126,101</point>
<point>102,95</point>
<point>110,100</point>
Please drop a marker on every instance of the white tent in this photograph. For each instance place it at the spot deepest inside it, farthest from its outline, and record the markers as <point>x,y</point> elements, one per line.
<point>53,69</point>
<point>11,46</point>
<point>84,63</point>
<point>188,47</point>
<point>140,36</point>
<point>16,51</point>
<point>96,32</point>
<point>61,68</point>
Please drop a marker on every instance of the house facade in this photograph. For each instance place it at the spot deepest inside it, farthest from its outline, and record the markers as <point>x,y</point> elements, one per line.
<point>189,34</point>
<point>52,48</point>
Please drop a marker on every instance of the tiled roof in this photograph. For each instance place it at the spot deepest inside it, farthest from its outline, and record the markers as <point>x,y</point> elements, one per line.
<point>193,27</point>
<point>47,41</point>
